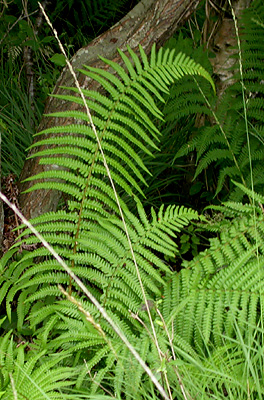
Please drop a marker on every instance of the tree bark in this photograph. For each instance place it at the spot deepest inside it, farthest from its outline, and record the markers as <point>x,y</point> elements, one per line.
<point>149,22</point>
<point>224,46</point>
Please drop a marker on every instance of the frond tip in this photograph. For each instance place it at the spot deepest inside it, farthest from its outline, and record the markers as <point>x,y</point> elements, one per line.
<point>124,122</point>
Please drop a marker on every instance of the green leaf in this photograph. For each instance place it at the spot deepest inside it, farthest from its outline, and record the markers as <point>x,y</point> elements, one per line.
<point>58,59</point>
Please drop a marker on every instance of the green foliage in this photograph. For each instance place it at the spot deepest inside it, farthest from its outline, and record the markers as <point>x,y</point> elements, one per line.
<point>89,233</point>
<point>207,315</point>
<point>19,112</point>
<point>22,30</point>
<point>126,109</point>
<point>27,374</point>
<point>14,106</point>
<point>167,183</point>
<point>222,143</point>
<point>223,285</point>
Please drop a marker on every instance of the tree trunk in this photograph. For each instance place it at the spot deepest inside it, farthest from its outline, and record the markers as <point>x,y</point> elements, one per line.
<point>151,21</point>
<point>224,46</point>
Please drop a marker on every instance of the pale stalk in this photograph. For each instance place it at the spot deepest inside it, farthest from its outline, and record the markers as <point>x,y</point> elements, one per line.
<point>110,179</point>
<point>88,294</point>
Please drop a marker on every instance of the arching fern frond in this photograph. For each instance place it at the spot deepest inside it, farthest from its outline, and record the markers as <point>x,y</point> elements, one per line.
<point>22,376</point>
<point>224,144</point>
<point>102,259</point>
<point>222,288</point>
<point>123,123</point>
<point>89,234</point>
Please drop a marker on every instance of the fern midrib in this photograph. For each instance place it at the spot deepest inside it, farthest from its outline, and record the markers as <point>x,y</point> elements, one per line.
<point>223,133</point>
<point>117,102</point>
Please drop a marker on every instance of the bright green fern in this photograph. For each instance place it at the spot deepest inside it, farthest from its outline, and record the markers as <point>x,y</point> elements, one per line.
<point>221,290</point>
<point>89,233</point>
<point>214,298</point>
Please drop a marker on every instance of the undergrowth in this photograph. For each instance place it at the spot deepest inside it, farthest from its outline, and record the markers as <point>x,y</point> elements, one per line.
<point>112,309</point>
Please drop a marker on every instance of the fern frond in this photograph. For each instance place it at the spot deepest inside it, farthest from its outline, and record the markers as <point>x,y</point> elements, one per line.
<point>225,143</point>
<point>89,234</point>
<point>222,285</point>
<point>126,109</point>
<point>41,381</point>
<point>104,262</point>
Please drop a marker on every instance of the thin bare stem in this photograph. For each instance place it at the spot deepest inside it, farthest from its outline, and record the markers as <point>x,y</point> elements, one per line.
<point>222,131</point>
<point>110,179</point>
<point>88,318</point>
<point>185,394</point>
<point>13,386</point>
<point>84,289</point>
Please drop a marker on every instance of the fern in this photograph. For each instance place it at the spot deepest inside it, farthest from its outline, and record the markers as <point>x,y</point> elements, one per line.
<point>219,292</point>
<point>215,297</point>
<point>23,377</point>
<point>82,234</point>
<point>182,104</point>
<point>223,145</point>
<point>125,110</point>
<point>89,233</point>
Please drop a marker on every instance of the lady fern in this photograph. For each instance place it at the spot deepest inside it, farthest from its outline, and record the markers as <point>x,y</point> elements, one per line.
<point>221,144</point>
<point>23,376</point>
<point>89,233</point>
<point>221,290</point>
<point>213,297</point>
